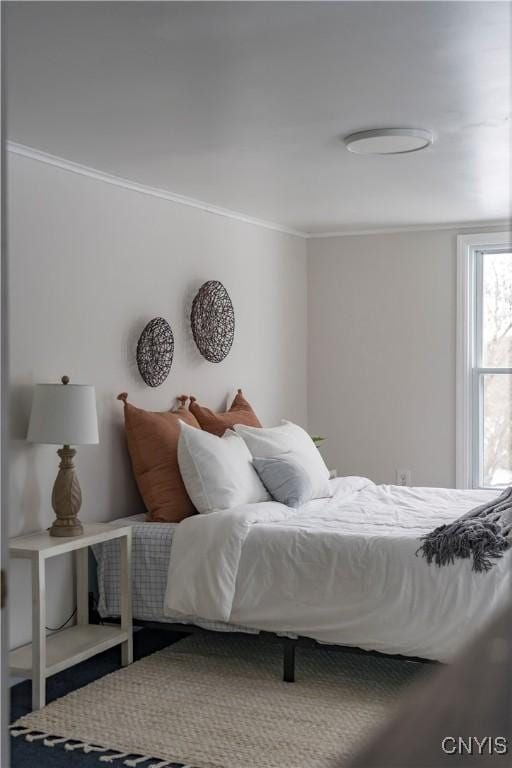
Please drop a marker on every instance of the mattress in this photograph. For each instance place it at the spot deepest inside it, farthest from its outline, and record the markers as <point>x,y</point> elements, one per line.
<point>151,553</point>
<point>343,570</point>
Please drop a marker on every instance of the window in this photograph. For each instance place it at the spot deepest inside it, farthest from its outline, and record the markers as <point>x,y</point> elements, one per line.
<point>484,365</point>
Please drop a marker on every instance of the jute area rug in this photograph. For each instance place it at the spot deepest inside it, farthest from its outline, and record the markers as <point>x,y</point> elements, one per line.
<point>218,701</point>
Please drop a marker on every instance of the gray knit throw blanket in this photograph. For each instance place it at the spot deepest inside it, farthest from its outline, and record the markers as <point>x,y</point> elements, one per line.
<point>484,533</point>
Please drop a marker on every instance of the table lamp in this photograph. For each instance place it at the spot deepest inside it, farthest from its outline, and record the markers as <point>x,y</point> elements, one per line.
<point>64,414</point>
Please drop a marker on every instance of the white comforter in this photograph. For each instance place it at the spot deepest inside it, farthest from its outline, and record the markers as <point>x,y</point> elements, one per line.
<point>340,570</point>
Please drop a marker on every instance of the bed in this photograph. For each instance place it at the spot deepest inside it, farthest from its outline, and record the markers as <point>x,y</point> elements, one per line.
<point>342,571</point>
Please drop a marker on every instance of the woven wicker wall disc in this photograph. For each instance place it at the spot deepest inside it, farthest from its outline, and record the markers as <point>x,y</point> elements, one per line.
<point>155,352</point>
<point>213,321</point>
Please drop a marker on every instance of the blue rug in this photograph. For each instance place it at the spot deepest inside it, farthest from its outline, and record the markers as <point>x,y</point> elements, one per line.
<point>26,754</point>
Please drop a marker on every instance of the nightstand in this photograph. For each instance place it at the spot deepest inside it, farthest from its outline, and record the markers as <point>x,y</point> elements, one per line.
<point>46,655</point>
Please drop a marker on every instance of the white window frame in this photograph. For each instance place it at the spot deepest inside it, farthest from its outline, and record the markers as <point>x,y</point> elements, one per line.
<point>469,367</point>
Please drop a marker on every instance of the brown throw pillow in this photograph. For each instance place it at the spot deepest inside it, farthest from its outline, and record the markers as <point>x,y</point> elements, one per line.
<point>152,439</point>
<point>217,423</point>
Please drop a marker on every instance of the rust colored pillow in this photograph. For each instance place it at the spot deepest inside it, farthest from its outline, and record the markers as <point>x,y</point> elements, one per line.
<point>152,439</point>
<point>217,423</point>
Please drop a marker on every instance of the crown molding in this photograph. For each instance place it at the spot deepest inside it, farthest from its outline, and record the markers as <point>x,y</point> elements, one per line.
<point>458,225</point>
<point>173,197</point>
<point>162,194</point>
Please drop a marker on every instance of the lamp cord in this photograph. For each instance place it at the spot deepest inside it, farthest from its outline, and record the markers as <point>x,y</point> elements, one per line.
<point>56,629</point>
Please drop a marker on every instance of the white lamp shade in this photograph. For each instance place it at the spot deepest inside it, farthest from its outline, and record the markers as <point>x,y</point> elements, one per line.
<point>63,414</point>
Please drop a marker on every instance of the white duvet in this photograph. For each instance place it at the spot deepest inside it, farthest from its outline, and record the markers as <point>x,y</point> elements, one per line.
<point>340,570</point>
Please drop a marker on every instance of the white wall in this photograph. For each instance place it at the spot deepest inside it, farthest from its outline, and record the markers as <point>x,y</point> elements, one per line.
<point>90,265</point>
<point>382,325</point>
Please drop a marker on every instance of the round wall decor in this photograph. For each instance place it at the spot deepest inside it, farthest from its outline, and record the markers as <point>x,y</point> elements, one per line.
<point>213,321</point>
<point>155,351</point>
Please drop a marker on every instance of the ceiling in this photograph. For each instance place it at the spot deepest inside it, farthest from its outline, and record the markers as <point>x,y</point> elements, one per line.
<point>242,105</point>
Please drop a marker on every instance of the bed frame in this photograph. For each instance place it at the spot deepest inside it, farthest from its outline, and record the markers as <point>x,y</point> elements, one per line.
<point>290,644</point>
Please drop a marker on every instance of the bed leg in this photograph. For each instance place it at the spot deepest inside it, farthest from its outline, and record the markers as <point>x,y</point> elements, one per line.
<point>289,660</point>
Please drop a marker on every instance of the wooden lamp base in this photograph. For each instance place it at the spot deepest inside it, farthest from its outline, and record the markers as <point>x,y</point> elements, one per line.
<point>66,497</point>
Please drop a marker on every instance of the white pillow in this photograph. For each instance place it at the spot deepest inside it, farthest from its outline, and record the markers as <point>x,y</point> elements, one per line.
<point>217,471</point>
<point>270,442</point>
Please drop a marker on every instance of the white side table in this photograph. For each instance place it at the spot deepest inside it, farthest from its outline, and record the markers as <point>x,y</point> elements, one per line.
<point>45,656</point>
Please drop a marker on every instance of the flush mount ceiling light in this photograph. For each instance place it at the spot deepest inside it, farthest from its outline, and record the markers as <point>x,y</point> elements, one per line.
<point>388,141</point>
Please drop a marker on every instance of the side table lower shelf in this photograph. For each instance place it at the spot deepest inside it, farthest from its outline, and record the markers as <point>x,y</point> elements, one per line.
<point>67,647</point>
